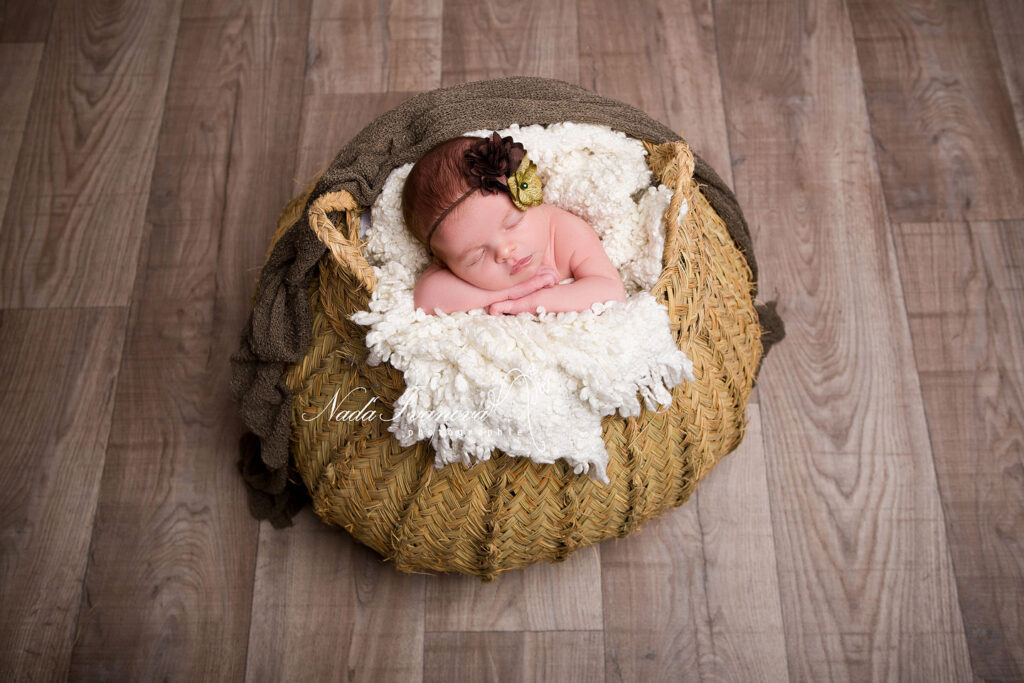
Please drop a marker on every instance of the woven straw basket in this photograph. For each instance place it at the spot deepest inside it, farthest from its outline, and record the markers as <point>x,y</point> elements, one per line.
<point>509,512</point>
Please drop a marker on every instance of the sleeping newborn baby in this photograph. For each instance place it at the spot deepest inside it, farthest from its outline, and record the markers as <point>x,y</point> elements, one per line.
<point>477,205</point>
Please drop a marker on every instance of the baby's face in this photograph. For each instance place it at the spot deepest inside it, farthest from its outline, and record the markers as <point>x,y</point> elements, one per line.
<point>490,243</point>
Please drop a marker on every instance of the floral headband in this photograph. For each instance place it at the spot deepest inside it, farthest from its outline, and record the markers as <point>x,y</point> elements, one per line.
<point>488,164</point>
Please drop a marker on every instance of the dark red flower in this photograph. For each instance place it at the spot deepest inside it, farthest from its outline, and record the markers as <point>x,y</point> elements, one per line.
<point>491,161</point>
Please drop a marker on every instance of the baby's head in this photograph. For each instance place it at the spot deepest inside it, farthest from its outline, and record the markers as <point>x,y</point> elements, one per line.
<point>468,199</point>
<point>435,183</point>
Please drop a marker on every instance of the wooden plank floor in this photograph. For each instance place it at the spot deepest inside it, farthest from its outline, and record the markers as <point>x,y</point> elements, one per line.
<point>869,527</point>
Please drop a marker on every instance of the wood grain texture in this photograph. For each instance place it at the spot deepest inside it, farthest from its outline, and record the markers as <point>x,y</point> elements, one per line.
<point>947,144</point>
<point>745,638</point>
<point>660,57</point>
<point>964,291</point>
<point>564,596</point>
<point>326,608</point>
<point>977,419</point>
<point>59,370</point>
<point>492,39</point>
<point>361,47</point>
<point>1007,20</point>
<point>74,218</point>
<point>19,65</point>
<point>864,565</point>
<point>169,581</point>
<point>25,22</point>
<point>570,656</point>
<point>965,301</point>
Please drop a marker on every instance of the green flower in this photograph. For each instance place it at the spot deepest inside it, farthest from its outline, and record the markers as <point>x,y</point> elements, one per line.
<point>525,185</point>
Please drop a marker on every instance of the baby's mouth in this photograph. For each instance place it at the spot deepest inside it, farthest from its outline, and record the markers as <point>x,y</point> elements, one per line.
<point>519,265</point>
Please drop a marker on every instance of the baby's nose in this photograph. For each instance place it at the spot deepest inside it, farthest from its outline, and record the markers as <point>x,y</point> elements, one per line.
<point>506,250</point>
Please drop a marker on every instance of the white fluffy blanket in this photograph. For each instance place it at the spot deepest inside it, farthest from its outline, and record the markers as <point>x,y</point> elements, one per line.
<point>532,385</point>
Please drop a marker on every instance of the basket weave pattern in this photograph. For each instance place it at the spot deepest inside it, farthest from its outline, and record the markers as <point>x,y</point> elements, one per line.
<point>509,512</point>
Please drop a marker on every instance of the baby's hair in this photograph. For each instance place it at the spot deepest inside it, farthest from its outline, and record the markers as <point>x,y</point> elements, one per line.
<point>434,182</point>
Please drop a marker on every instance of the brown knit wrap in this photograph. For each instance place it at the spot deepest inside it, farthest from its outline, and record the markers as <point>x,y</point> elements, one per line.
<point>278,331</point>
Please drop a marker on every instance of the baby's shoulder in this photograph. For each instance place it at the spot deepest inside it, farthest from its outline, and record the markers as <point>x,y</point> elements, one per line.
<point>569,235</point>
<point>432,272</point>
<point>569,232</point>
<point>566,222</point>
<point>434,266</point>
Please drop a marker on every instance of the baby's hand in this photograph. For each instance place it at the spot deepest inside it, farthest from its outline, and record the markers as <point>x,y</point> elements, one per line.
<point>549,276</point>
<point>500,307</point>
<point>546,276</point>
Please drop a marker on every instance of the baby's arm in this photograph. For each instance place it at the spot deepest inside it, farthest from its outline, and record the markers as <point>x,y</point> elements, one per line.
<point>596,277</point>
<point>444,289</point>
